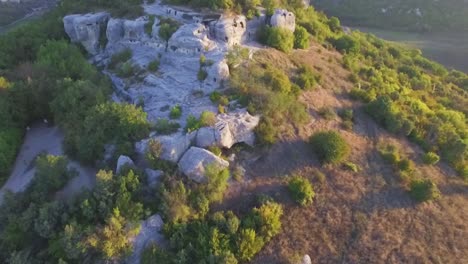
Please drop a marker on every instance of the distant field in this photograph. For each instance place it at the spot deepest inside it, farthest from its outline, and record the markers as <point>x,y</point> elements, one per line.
<point>449,49</point>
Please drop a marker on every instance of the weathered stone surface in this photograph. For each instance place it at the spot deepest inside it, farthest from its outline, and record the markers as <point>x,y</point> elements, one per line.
<point>153,177</point>
<point>236,127</point>
<point>190,39</point>
<point>150,233</point>
<point>306,260</point>
<point>123,161</point>
<point>194,161</point>
<point>229,29</point>
<point>86,29</point>
<point>173,147</point>
<point>284,19</point>
<point>206,137</point>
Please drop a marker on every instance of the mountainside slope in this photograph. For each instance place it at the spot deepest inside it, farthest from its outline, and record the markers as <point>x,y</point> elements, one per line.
<point>413,15</point>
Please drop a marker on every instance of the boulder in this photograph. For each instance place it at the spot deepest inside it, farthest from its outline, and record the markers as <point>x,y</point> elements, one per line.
<point>229,29</point>
<point>284,19</point>
<point>236,127</point>
<point>123,161</point>
<point>194,161</point>
<point>153,177</point>
<point>306,260</point>
<point>206,137</point>
<point>173,146</point>
<point>115,30</point>
<point>218,73</point>
<point>135,29</point>
<point>86,29</point>
<point>150,233</point>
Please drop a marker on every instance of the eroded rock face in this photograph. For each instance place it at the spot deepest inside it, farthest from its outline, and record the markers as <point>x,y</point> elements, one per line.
<point>123,161</point>
<point>87,29</point>
<point>173,147</point>
<point>284,19</point>
<point>229,29</point>
<point>150,233</point>
<point>236,127</point>
<point>195,160</point>
<point>190,39</point>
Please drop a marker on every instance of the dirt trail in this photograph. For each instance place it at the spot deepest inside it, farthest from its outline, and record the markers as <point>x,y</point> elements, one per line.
<point>43,139</point>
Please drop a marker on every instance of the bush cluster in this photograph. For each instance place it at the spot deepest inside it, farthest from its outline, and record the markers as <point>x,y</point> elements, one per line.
<point>329,146</point>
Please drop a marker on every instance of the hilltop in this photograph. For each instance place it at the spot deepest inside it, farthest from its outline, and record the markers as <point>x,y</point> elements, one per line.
<point>226,132</point>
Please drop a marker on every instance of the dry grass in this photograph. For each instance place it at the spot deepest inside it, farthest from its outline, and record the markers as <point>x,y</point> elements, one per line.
<point>364,217</point>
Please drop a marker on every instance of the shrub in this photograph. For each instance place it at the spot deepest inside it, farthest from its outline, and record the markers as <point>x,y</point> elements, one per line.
<point>202,74</point>
<point>215,96</point>
<point>431,158</point>
<point>390,153</point>
<point>327,113</point>
<point>166,127</point>
<point>207,118</point>
<point>126,70</point>
<point>346,44</point>
<point>176,112</point>
<point>329,146</point>
<point>149,25</point>
<point>301,190</point>
<point>120,57</point>
<point>153,66</point>
<point>167,27</point>
<point>192,124</point>
<point>278,38</point>
<point>424,190</point>
<point>266,131</point>
<point>301,38</point>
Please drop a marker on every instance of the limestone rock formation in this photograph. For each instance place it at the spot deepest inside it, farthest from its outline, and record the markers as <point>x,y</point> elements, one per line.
<point>173,147</point>
<point>236,127</point>
<point>123,161</point>
<point>150,233</point>
<point>306,260</point>
<point>194,161</point>
<point>206,137</point>
<point>190,39</point>
<point>284,19</point>
<point>87,29</point>
<point>229,29</point>
<point>153,177</point>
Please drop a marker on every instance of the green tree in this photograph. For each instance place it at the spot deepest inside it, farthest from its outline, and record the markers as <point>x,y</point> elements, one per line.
<point>279,38</point>
<point>248,244</point>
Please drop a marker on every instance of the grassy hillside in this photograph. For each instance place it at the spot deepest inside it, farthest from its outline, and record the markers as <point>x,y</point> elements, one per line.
<point>413,15</point>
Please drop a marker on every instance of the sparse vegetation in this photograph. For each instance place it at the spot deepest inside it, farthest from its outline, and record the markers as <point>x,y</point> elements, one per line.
<point>176,112</point>
<point>431,158</point>
<point>424,190</point>
<point>166,127</point>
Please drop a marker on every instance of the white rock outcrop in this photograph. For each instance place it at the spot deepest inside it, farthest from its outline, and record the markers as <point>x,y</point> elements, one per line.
<point>87,29</point>
<point>229,29</point>
<point>236,127</point>
<point>231,128</point>
<point>173,147</point>
<point>195,160</point>
<point>190,39</point>
<point>123,161</point>
<point>306,260</point>
<point>284,19</point>
<point>150,233</point>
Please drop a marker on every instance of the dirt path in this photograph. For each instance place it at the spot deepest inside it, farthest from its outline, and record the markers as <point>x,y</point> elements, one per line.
<point>38,140</point>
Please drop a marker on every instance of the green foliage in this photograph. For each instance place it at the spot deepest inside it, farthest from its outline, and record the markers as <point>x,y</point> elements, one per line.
<point>301,38</point>
<point>192,124</point>
<point>62,60</point>
<point>207,118</point>
<point>176,112</point>
<point>278,38</point>
<point>167,27</point>
<point>424,190</point>
<point>329,146</point>
<point>351,166</point>
<point>153,66</point>
<point>202,75</point>
<point>126,70</point>
<point>120,57</point>
<point>166,127</point>
<point>149,25</point>
<point>431,158</point>
<point>307,78</point>
<point>248,244</point>
<point>327,113</point>
<point>301,190</point>
<point>237,55</point>
<point>118,124</point>
<point>346,44</point>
